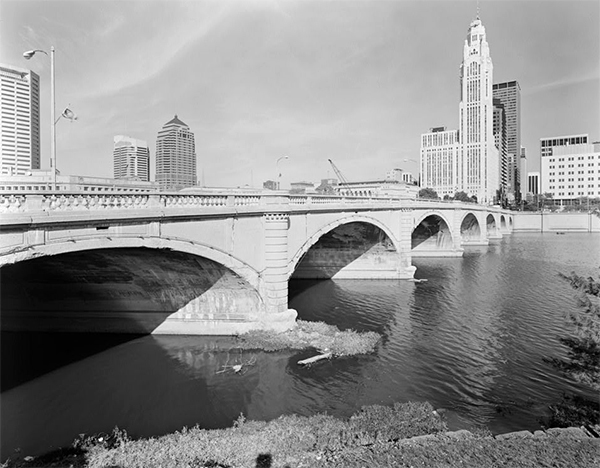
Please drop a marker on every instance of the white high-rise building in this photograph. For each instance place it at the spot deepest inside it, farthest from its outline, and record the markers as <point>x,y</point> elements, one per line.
<point>20,120</point>
<point>175,156</point>
<point>570,171</point>
<point>131,158</point>
<point>439,161</point>
<point>548,144</point>
<point>472,164</point>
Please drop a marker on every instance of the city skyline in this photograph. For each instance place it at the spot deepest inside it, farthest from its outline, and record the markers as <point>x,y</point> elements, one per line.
<point>355,82</point>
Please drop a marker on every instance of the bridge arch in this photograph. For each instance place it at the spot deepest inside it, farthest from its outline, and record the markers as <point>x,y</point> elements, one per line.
<point>432,232</point>
<point>470,228</point>
<point>503,225</point>
<point>316,236</point>
<point>238,267</point>
<point>131,285</point>
<point>492,225</point>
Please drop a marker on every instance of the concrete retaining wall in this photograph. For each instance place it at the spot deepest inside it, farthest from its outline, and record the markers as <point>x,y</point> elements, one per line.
<point>553,222</point>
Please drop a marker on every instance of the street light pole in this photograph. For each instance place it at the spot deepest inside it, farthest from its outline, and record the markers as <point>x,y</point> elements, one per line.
<point>53,119</point>
<point>279,173</point>
<point>28,55</point>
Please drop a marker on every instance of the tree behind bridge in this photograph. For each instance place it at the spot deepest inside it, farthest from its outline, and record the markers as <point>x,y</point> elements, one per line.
<point>464,197</point>
<point>428,193</point>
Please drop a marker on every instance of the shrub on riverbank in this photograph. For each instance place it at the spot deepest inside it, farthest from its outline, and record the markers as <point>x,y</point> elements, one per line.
<point>318,335</point>
<point>583,360</point>
<point>293,440</point>
<point>410,434</point>
<point>573,411</point>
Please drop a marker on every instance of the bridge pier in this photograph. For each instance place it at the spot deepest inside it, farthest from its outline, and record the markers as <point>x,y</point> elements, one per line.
<point>275,283</point>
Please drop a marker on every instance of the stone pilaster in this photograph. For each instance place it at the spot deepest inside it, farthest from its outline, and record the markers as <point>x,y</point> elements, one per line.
<point>455,228</point>
<point>481,218</point>
<point>405,241</point>
<point>276,261</point>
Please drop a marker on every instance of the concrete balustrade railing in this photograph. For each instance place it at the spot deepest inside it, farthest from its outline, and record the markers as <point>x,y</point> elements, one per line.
<point>18,208</point>
<point>22,202</point>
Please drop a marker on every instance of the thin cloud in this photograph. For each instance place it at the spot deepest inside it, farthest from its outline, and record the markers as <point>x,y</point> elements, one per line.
<point>565,82</point>
<point>110,27</point>
<point>132,68</point>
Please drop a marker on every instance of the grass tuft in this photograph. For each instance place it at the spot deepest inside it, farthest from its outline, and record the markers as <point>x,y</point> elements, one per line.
<point>318,335</point>
<point>375,436</point>
<point>289,440</point>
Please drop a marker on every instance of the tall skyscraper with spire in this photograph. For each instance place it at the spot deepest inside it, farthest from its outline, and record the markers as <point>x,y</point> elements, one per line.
<point>175,156</point>
<point>480,168</point>
<point>474,164</point>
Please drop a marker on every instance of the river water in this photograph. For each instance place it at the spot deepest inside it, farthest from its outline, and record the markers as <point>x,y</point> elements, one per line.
<point>470,339</point>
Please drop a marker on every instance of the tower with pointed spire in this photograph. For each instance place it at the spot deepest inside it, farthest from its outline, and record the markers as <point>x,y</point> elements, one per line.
<point>175,156</point>
<point>467,160</point>
<point>480,164</point>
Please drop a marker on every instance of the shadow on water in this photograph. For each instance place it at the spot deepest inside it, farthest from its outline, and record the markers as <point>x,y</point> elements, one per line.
<point>147,386</point>
<point>27,356</point>
<point>470,339</point>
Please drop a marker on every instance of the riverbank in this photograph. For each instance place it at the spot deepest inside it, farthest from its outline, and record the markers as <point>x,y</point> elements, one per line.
<point>410,434</point>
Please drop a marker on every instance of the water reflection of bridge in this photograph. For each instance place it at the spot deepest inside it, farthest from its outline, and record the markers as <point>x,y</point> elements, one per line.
<point>209,263</point>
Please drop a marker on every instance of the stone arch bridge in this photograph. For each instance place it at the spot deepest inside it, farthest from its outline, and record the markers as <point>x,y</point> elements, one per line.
<point>208,263</point>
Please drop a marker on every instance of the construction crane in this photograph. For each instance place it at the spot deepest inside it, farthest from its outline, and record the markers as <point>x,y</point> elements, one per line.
<point>342,180</point>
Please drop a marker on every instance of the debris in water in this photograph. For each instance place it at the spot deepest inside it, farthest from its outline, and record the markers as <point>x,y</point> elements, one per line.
<point>318,357</point>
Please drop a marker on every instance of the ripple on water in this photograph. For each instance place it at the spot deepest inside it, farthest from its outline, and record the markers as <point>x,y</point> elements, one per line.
<point>471,339</point>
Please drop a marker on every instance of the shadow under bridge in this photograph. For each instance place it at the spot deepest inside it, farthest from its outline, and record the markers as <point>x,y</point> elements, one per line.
<point>125,290</point>
<point>433,238</point>
<point>354,250</point>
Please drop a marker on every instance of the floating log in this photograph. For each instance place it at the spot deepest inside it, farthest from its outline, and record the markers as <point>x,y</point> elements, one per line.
<point>316,358</point>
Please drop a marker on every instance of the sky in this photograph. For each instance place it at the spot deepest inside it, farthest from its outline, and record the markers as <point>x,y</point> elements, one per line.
<point>357,82</point>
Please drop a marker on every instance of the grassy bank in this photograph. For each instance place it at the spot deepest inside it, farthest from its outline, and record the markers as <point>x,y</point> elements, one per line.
<point>410,434</point>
